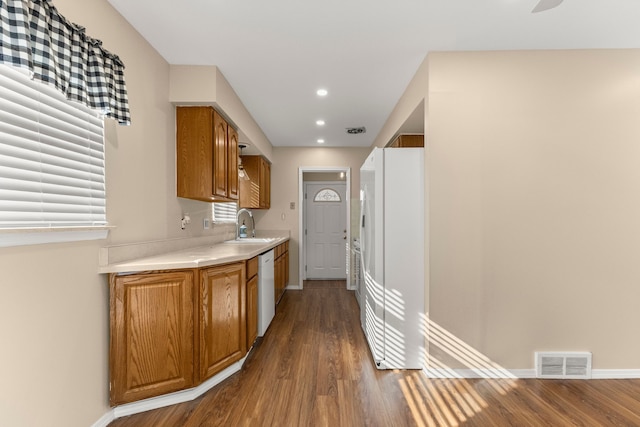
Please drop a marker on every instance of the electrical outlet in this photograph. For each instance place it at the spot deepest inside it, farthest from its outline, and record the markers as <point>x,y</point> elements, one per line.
<point>206,223</point>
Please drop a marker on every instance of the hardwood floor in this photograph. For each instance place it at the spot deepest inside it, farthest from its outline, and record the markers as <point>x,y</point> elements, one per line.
<point>313,368</point>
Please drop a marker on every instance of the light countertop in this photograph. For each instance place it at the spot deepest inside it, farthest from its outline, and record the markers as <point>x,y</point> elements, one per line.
<point>201,256</point>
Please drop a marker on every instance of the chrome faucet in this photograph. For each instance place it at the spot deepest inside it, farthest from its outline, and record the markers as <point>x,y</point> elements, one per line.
<point>253,222</point>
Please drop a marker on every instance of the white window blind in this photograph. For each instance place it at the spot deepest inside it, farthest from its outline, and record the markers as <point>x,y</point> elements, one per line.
<point>52,171</point>
<point>225,212</point>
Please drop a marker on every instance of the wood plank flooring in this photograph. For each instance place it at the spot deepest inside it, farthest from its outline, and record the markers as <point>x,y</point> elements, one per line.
<point>313,368</point>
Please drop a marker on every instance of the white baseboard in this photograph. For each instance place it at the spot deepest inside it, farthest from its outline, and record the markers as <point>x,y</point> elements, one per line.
<point>480,373</point>
<point>615,374</point>
<point>596,374</point>
<point>168,399</point>
<point>104,420</point>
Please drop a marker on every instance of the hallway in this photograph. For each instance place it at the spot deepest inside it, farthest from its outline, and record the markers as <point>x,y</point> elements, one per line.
<point>313,368</point>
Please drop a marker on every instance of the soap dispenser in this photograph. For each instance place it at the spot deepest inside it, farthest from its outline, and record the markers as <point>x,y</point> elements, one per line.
<point>243,230</point>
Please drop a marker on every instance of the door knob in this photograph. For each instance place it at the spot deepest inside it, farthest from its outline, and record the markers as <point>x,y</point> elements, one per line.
<point>345,237</point>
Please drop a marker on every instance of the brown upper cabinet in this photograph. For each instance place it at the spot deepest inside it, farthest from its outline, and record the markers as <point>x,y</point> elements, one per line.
<point>233,189</point>
<point>207,155</point>
<point>256,192</point>
<point>408,140</point>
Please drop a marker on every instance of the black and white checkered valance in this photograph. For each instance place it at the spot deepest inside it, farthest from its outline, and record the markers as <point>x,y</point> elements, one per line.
<point>34,36</point>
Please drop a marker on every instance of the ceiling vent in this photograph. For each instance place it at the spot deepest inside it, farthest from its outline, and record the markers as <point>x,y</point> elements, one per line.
<point>572,365</point>
<point>355,131</point>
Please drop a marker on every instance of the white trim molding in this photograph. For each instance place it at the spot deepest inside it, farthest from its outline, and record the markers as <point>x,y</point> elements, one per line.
<point>38,236</point>
<point>615,374</point>
<point>105,420</point>
<point>168,399</point>
<point>479,373</point>
<point>599,374</point>
<point>302,274</point>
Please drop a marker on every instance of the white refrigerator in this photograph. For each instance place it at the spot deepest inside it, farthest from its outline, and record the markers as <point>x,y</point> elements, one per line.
<point>392,195</point>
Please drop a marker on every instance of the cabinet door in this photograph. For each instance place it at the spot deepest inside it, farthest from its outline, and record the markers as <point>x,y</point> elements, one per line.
<point>250,189</point>
<point>252,310</point>
<point>279,278</point>
<point>265,185</point>
<point>282,276</point>
<point>219,156</point>
<point>252,267</point>
<point>223,325</point>
<point>256,193</point>
<point>151,320</point>
<point>408,141</point>
<point>194,155</point>
<point>276,280</point>
<point>206,155</point>
<point>286,268</point>
<point>232,163</point>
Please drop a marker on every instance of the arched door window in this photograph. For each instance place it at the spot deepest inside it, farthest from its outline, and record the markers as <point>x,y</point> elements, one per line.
<point>327,195</point>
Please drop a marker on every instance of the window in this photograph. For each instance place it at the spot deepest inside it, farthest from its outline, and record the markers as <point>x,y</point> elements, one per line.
<point>225,212</point>
<point>52,171</point>
<point>326,195</point>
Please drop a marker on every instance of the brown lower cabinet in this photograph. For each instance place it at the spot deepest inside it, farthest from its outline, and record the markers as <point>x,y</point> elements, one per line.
<point>223,318</point>
<point>171,330</point>
<point>252,301</point>
<point>152,323</point>
<point>281,269</point>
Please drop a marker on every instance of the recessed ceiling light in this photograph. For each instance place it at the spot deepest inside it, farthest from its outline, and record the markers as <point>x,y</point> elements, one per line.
<point>321,141</point>
<point>322,92</point>
<point>320,122</point>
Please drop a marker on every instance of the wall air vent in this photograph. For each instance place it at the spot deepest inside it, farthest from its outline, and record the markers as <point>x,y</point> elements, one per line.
<point>567,365</point>
<point>355,131</point>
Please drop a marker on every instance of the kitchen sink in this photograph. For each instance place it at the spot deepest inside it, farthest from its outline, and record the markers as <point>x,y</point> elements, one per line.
<point>254,240</point>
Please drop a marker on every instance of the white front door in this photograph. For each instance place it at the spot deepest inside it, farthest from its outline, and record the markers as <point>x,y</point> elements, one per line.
<point>326,230</point>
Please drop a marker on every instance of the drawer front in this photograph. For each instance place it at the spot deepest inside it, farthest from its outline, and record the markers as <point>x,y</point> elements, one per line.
<point>252,267</point>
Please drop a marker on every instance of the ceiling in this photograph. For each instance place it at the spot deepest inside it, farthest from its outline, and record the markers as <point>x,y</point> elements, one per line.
<point>277,53</point>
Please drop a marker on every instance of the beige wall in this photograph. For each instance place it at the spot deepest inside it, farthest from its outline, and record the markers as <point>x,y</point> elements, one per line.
<point>284,189</point>
<point>533,178</point>
<point>53,327</point>
<point>410,101</point>
<point>206,85</point>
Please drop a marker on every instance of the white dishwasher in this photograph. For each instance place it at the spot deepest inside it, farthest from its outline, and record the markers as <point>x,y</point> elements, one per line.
<point>266,291</point>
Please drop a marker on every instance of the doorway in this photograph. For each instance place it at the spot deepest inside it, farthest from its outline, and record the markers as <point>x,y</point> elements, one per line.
<point>324,200</point>
<point>325,209</point>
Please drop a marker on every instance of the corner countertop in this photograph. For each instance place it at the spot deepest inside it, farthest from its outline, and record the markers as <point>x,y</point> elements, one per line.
<point>197,257</point>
